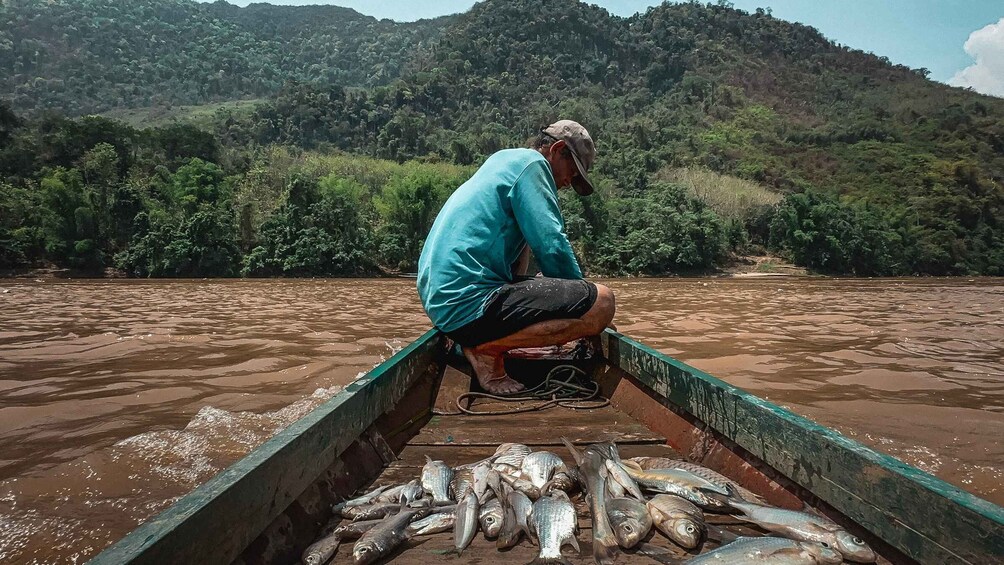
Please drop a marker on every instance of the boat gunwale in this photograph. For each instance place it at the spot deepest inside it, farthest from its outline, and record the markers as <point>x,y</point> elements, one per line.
<point>188,524</point>
<point>192,521</point>
<point>624,353</point>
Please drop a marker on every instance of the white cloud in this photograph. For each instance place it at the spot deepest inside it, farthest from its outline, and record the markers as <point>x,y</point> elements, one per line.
<point>986,46</point>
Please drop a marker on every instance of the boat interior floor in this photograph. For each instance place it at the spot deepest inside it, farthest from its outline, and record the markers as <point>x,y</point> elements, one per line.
<point>458,439</point>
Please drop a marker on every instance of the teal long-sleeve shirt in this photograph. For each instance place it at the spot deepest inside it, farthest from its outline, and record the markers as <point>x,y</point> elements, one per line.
<point>510,202</point>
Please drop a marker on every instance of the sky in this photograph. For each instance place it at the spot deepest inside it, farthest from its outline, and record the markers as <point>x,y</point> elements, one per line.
<point>960,41</point>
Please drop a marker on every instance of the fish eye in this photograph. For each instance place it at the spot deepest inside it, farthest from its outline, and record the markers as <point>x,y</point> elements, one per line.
<point>691,529</point>
<point>824,544</point>
<point>490,520</point>
<point>628,528</point>
<point>858,541</point>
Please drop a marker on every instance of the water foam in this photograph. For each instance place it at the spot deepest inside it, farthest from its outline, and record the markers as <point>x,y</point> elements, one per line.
<point>213,439</point>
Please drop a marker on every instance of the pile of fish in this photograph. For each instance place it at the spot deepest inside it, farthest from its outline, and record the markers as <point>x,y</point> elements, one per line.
<point>519,493</point>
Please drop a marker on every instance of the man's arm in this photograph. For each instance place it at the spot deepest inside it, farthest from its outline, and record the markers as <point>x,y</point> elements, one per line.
<point>535,205</point>
<point>522,264</point>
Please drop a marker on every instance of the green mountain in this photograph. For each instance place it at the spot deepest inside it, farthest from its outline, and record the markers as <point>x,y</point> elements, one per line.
<point>87,56</point>
<point>882,170</point>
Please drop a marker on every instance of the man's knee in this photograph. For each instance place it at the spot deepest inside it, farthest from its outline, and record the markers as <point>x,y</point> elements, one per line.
<point>603,309</point>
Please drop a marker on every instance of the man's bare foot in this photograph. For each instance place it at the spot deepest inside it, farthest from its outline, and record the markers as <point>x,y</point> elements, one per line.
<point>503,385</point>
<point>491,373</point>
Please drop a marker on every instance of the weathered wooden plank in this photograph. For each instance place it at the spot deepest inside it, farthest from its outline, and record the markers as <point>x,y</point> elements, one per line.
<point>535,428</point>
<point>922,516</point>
<point>220,518</point>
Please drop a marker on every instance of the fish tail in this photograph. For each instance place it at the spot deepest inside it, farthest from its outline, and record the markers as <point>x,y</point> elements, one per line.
<point>546,489</point>
<point>576,454</point>
<point>550,561</point>
<point>574,542</point>
<point>603,552</point>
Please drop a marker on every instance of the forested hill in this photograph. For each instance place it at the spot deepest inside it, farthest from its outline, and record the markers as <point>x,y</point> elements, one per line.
<point>86,56</point>
<point>705,116</point>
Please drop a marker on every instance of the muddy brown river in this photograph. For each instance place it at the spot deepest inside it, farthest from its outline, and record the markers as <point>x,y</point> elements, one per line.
<point>118,397</point>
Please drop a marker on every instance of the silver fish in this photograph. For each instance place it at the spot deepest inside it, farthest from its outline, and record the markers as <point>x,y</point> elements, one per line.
<point>370,512</point>
<point>512,448</point>
<point>407,493</point>
<point>699,470</point>
<point>510,454</point>
<point>681,483</point>
<point>436,477</point>
<point>804,526</point>
<point>412,492</point>
<point>591,462</point>
<point>612,459</point>
<point>494,483</point>
<point>392,494</point>
<point>615,489</point>
<point>472,465</point>
<point>565,480</point>
<point>353,530</point>
<point>522,485</point>
<point>555,524</point>
<point>433,524</point>
<point>479,478</point>
<point>503,449</point>
<point>623,479</point>
<point>539,466</point>
<point>655,462</point>
<point>769,550</point>
<point>467,521</point>
<point>361,500</point>
<point>506,470</point>
<point>385,537</point>
<point>490,518</point>
<point>678,519</point>
<point>462,481</point>
<point>516,508</point>
<point>629,519</point>
<point>319,552</point>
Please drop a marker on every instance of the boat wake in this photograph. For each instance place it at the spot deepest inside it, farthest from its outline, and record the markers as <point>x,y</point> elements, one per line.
<point>212,440</point>
<point>70,512</point>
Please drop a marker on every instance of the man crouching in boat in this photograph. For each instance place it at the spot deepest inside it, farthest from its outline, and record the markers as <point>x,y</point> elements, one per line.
<point>470,274</point>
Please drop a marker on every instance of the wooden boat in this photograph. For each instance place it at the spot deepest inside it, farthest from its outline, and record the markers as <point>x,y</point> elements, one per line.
<point>269,506</point>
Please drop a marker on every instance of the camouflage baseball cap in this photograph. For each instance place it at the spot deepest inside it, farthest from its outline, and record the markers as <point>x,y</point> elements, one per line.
<point>581,147</point>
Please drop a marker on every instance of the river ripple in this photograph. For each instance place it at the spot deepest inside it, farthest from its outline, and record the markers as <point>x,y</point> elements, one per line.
<point>117,397</point>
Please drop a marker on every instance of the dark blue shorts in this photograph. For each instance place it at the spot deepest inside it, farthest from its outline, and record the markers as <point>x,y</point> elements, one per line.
<point>524,303</point>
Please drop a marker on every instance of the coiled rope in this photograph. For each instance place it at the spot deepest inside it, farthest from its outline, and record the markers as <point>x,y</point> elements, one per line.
<point>562,387</point>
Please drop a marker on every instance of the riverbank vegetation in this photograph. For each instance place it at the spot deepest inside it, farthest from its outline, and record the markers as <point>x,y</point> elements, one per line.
<point>720,133</point>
